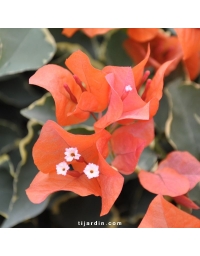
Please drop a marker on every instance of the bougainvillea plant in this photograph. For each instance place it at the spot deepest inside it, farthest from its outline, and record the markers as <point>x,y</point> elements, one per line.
<point>115,117</point>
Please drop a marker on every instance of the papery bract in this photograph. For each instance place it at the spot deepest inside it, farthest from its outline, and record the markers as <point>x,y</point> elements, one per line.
<point>164,182</point>
<point>138,70</point>
<point>186,46</point>
<point>185,164</point>
<point>49,150</point>
<point>128,106</point>
<point>128,142</point>
<point>142,34</point>
<point>123,105</point>
<point>162,214</point>
<point>189,39</point>
<point>69,32</point>
<point>61,84</point>
<point>90,32</point>
<point>52,78</point>
<point>175,176</point>
<point>93,79</point>
<point>186,201</point>
<point>163,48</point>
<point>154,91</point>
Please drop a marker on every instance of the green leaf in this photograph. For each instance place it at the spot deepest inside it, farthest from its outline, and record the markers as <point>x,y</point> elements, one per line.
<point>16,91</point>
<point>15,157</point>
<point>89,122</point>
<point>183,124</point>
<point>115,53</point>
<point>12,114</point>
<point>81,130</point>
<point>0,49</point>
<point>162,114</point>
<point>147,159</point>
<point>178,74</point>
<point>78,38</point>
<point>21,208</point>
<point>6,184</point>
<point>10,136</point>
<point>41,110</point>
<point>25,49</point>
<point>194,194</point>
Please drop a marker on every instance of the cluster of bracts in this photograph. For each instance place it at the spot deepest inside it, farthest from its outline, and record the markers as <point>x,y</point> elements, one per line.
<point>123,102</point>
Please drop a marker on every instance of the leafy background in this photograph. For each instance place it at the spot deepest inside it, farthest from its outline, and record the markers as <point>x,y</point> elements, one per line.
<point>25,108</point>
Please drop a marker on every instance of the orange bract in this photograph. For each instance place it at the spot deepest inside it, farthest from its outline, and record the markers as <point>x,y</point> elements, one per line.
<point>90,32</point>
<point>69,31</point>
<point>128,142</point>
<point>93,79</point>
<point>153,92</point>
<point>126,106</point>
<point>189,39</point>
<point>163,48</point>
<point>176,175</point>
<point>142,34</point>
<point>164,182</point>
<point>185,201</point>
<point>49,150</point>
<point>74,108</point>
<point>138,70</point>
<point>185,164</point>
<point>123,105</point>
<point>162,214</point>
<point>186,46</point>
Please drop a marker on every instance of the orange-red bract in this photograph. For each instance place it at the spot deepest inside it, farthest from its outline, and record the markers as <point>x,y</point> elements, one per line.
<point>49,150</point>
<point>138,70</point>
<point>189,39</point>
<point>128,142</point>
<point>123,105</point>
<point>93,79</point>
<point>153,92</point>
<point>94,97</point>
<point>163,48</point>
<point>166,181</point>
<point>162,214</point>
<point>142,34</point>
<point>128,106</point>
<point>185,164</point>
<point>175,176</point>
<point>186,201</point>
<point>90,32</point>
<point>69,32</point>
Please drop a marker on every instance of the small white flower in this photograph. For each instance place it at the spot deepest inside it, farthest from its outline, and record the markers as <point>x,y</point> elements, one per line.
<point>128,88</point>
<point>71,153</point>
<point>62,168</point>
<point>91,170</point>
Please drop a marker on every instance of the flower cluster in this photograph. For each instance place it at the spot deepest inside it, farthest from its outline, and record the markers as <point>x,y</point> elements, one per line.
<point>123,102</point>
<point>184,46</point>
<point>91,170</point>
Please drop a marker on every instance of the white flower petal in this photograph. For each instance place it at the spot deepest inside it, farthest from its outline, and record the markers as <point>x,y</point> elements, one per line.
<point>128,88</point>
<point>91,170</point>
<point>62,168</point>
<point>71,153</point>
